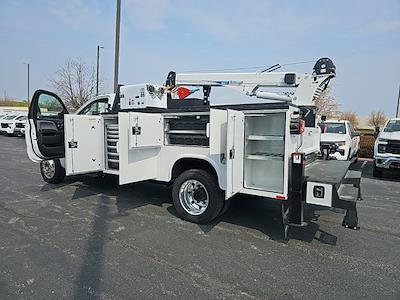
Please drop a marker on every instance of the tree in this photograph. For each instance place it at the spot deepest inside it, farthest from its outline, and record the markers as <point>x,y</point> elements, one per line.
<point>75,83</point>
<point>377,119</point>
<point>350,116</point>
<point>326,104</point>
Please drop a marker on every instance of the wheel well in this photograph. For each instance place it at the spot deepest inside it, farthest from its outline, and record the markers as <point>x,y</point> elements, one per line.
<point>185,164</point>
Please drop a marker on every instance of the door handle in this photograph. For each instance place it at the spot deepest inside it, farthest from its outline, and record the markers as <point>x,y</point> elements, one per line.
<point>232,153</point>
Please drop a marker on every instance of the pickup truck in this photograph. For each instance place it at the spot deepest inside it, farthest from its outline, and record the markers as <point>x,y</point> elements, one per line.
<point>340,136</point>
<point>387,148</point>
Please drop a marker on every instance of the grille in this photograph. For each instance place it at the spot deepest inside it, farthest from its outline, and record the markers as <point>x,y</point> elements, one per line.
<point>393,147</point>
<point>4,125</point>
<point>20,125</point>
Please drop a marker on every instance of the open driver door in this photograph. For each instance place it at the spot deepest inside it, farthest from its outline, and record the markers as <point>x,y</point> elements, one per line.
<point>45,127</point>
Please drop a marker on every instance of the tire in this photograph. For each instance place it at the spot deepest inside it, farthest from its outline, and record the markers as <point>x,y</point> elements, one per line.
<point>52,171</point>
<point>200,184</point>
<point>349,155</point>
<point>377,172</point>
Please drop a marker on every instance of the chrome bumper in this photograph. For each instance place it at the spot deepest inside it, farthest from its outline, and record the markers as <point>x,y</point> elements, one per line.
<point>387,162</point>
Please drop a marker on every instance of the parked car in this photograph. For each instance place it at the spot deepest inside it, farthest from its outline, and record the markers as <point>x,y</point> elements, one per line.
<point>387,148</point>
<point>20,126</point>
<point>341,138</point>
<point>7,124</point>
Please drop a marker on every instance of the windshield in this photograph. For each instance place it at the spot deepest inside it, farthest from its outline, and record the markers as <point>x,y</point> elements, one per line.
<point>333,128</point>
<point>9,117</point>
<point>392,126</point>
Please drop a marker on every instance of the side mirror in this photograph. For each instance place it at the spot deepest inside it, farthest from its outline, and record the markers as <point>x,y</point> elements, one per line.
<point>377,130</point>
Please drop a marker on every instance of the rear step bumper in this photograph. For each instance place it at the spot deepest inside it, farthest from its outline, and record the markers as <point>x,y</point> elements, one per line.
<point>326,183</point>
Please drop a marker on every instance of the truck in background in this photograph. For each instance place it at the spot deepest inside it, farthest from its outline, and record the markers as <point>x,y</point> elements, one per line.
<point>340,136</point>
<point>387,148</point>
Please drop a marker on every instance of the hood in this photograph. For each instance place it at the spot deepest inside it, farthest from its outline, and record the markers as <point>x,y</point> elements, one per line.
<point>333,137</point>
<point>9,121</point>
<point>390,135</point>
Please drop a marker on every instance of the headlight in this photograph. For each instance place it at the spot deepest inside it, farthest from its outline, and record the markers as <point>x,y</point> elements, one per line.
<point>381,148</point>
<point>383,141</point>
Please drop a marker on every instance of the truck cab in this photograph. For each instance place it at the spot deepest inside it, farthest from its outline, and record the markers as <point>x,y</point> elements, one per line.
<point>387,148</point>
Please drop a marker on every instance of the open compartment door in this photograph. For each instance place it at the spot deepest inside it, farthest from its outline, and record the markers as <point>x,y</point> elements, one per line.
<point>217,131</point>
<point>84,144</point>
<point>140,140</point>
<point>234,152</point>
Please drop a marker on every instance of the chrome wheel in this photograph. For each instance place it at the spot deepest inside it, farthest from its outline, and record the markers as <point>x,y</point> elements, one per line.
<point>48,168</point>
<point>193,197</point>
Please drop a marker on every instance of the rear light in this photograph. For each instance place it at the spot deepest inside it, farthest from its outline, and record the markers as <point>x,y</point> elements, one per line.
<point>297,126</point>
<point>302,126</point>
<point>280,197</point>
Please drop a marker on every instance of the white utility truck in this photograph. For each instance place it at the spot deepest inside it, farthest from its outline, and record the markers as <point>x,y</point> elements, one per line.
<point>262,143</point>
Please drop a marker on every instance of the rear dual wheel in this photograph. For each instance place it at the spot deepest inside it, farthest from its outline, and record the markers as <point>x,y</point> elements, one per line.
<point>197,197</point>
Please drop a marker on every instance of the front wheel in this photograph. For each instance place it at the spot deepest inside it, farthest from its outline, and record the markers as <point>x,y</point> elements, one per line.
<point>52,171</point>
<point>197,197</point>
<point>377,172</point>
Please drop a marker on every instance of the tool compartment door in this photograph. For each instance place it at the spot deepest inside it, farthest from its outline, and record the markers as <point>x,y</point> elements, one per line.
<point>146,130</point>
<point>140,140</point>
<point>234,152</point>
<point>84,144</point>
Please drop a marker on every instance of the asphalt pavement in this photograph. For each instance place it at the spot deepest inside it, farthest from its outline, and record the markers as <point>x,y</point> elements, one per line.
<point>89,238</point>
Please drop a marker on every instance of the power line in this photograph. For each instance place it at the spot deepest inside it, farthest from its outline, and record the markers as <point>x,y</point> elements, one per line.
<point>249,68</point>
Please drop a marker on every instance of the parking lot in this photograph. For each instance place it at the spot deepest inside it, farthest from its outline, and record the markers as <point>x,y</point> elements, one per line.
<point>90,238</point>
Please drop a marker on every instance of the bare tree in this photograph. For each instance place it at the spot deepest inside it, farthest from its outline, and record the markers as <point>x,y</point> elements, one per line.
<point>75,83</point>
<point>377,119</point>
<point>326,104</point>
<point>350,116</point>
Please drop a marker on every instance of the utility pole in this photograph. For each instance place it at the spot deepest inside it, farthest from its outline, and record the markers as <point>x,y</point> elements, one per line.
<point>97,68</point>
<point>117,33</point>
<point>398,104</point>
<point>28,82</point>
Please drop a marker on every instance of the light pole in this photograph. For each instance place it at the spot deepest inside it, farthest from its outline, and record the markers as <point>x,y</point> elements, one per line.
<point>398,104</point>
<point>97,68</point>
<point>28,82</point>
<point>117,32</point>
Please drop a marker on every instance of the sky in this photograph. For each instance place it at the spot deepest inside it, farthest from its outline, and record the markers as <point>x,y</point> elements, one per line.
<point>361,37</point>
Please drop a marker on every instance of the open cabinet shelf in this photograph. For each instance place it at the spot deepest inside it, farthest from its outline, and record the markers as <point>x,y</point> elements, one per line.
<point>264,152</point>
<point>265,138</point>
<point>264,156</point>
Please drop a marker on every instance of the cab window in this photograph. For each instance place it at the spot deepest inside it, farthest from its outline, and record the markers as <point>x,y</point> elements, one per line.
<point>333,128</point>
<point>392,126</point>
<point>95,108</point>
<point>49,107</point>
